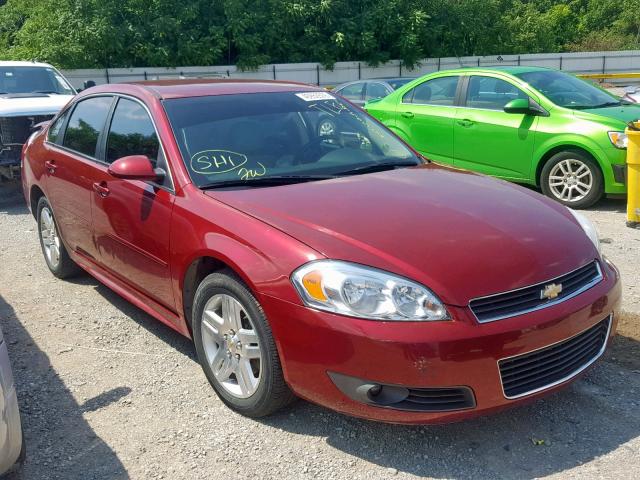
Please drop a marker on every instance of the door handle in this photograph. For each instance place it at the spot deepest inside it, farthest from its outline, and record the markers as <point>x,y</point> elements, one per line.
<point>407,114</point>
<point>51,166</point>
<point>101,189</point>
<point>465,122</point>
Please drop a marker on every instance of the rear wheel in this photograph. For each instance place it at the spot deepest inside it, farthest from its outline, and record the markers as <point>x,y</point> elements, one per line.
<point>235,347</point>
<point>55,253</point>
<point>572,178</point>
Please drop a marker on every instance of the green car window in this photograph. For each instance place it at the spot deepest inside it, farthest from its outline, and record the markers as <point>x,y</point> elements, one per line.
<point>568,91</point>
<point>491,93</point>
<point>439,91</point>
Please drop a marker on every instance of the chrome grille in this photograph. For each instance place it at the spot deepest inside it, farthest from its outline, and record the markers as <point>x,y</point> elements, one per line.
<point>549,366</point>
<point>527,299</point>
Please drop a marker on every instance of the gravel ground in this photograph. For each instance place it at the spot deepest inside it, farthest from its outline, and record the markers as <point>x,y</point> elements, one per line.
<point>108,392</point>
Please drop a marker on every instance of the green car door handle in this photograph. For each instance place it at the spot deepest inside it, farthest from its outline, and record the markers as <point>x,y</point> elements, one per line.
<point>407,114</point>
<point>465,122</point>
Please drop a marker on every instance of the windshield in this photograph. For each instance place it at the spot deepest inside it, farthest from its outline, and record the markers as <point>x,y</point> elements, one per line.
<point>262,136</point>
<point>568,91</point>
<point>33,80</point>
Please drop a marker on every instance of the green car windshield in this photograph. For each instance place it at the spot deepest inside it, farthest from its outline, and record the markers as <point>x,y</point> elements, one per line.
<point>568,91</point>
<point>265,138</point>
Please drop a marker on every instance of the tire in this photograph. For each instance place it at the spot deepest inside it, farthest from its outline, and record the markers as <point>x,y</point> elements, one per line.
<point>243,343</point>
<point>572,178</point>
<point>53,249</point>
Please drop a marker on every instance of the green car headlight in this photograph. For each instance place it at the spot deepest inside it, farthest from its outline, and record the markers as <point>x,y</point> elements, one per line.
<point>618,139</point>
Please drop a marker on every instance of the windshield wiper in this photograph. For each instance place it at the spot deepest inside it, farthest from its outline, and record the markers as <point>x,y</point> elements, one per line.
<point>46,91</point>
<point>379,167</point>
<point>265,181</point>
<point>601,105</point>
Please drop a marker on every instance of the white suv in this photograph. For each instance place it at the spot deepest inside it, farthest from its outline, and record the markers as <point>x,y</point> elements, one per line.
<point>30,93</point>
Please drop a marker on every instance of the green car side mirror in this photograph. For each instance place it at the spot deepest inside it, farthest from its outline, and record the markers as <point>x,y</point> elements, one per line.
<point>525,106</point>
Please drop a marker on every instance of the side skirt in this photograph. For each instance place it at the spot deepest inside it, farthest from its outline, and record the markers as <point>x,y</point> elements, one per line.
<point>132,295</point>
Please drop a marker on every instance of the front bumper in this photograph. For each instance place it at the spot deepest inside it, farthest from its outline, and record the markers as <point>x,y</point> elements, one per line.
<point>314,345</point>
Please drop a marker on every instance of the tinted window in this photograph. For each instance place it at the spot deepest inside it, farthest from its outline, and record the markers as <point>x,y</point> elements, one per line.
<point>376,90</point>
<point>352,92</point>
<point>439,91</point>
<point>292,134</point>
<point>86,123</point>
<point>54,135</point>
<point>131,132</point>
<point>491,93</point>
<point>568,91</point>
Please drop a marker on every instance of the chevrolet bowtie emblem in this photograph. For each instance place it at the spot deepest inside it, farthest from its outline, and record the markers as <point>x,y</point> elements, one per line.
<point>551,291</point>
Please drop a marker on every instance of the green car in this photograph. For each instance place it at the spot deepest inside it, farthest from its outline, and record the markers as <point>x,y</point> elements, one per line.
<point>529,125</point>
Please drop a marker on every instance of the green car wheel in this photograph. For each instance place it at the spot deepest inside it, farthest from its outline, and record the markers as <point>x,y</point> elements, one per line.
<point>573,179</point>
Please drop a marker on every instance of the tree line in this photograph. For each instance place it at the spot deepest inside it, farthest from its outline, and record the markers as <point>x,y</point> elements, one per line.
<point>249,33</point>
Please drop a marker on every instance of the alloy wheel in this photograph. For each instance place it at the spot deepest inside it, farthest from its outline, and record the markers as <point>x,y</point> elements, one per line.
<point>570,180</point>
<point>326,128</point>
<point>50,238</point>
<point>231,345</point>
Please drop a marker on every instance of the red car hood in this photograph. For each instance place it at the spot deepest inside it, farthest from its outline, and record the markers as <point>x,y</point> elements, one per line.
<point>461,234</point>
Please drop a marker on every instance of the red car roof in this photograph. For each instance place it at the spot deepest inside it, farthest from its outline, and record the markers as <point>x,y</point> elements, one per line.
<point>203,87</point>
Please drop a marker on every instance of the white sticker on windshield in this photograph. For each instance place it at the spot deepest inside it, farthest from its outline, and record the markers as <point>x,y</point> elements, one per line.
<point>315,96</point>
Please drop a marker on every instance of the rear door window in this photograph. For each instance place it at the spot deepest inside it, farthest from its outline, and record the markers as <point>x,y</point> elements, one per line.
<point>55,133</point>
<point>86,123</point>
<point>439,91</point>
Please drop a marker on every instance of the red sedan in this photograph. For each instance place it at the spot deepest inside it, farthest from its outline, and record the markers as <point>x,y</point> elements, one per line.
<point>337,265</point>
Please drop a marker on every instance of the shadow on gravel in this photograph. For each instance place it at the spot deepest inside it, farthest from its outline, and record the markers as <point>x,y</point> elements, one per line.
<point>595,416</point>
<point>171,337</point>
<point>60,443</point>
<point>611,205</point>
<point>11,198</point>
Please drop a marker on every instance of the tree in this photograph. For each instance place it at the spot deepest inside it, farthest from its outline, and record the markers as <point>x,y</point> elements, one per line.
<point>166,33</point>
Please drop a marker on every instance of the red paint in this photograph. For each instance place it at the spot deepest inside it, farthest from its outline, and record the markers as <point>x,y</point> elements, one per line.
<point>133,167</point>
<point>461,234</point>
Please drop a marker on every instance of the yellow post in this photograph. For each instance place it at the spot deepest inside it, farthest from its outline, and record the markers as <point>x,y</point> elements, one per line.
<point>633,175</point>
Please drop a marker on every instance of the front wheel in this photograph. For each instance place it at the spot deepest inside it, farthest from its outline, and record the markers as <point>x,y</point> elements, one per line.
<point>235,347</point>
<point>572,178</point>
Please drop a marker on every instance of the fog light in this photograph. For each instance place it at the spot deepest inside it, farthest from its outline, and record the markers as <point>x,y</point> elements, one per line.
<point>374,391</point>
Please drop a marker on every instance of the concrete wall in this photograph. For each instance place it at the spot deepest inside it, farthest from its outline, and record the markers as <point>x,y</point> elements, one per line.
<point>583,62</point>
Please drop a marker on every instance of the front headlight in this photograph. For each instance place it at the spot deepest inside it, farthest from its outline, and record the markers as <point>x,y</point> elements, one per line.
<point>619,139</point>
<point>588,227</point>
<point>365,292</point>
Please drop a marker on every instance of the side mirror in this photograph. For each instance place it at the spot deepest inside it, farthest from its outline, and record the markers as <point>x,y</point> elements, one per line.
<point>88,84</point>
<point>524,106</point>
<point>135,167</point>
